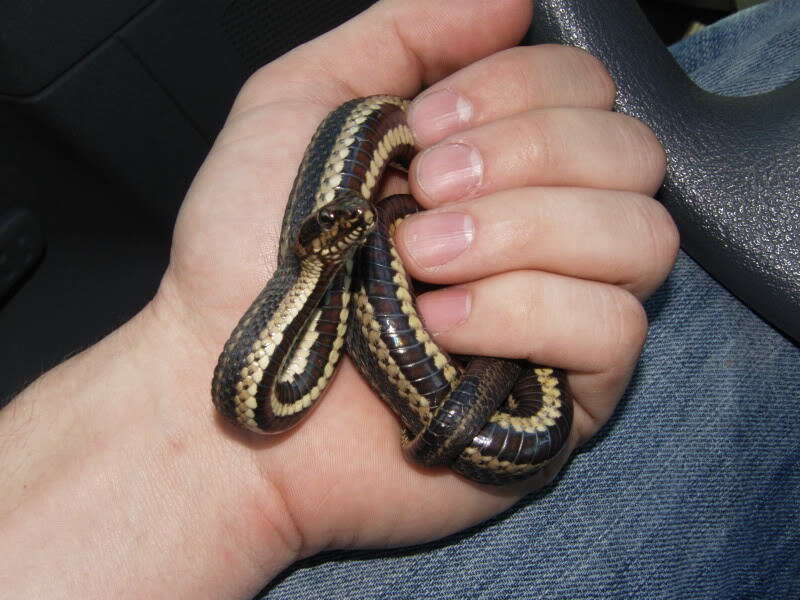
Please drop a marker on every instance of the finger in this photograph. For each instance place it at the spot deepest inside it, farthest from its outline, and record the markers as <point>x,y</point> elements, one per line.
<point>510,82</point>
<point>621,238</point>
<point>395,47</point>
<point>553,146</point>
<point>594,330</point>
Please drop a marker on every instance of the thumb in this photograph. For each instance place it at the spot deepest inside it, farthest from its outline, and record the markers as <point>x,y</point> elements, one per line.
<point>395,47</point>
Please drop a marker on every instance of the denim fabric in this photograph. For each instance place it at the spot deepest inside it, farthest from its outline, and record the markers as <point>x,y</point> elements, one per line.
<point>753,51</point>
<point>693,489</point>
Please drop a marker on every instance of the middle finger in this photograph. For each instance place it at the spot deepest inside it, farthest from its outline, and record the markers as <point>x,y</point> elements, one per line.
<point>622,238</point>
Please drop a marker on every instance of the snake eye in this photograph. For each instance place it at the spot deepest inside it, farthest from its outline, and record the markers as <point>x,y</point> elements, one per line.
<point>326,218</point>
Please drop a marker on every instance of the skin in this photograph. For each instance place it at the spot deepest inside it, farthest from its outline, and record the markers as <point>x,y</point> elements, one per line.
<point>121,481</point>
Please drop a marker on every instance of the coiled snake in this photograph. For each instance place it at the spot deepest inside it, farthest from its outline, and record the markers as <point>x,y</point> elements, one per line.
<point>341,285</point>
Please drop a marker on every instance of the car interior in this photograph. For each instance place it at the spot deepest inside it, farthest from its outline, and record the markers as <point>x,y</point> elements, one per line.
<point>106,113</point>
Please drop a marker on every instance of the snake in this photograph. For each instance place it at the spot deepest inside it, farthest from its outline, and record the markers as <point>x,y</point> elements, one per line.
<point>340,287</point>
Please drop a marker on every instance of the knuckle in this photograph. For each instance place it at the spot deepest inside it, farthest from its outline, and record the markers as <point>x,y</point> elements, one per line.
<point>666,237</point>
<point>619,328</point>
<point>658,238</point>
<point>517,307</point>
<point>590,81</point>
<point>591,70</point>
<point>645,154</point>
<point>512,68</point>
<point>539,142</point>
<point>516,237</point>
<point>527,309</point>
<point>628,324</point>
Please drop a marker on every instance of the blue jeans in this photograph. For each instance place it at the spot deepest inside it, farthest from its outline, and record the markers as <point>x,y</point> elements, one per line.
<point>693,489</point>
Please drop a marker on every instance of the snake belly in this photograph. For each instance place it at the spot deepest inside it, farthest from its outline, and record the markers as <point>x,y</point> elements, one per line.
<point>492,420</point>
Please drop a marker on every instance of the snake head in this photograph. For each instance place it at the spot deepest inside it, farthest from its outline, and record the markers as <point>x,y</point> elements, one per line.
<point>335,229</point>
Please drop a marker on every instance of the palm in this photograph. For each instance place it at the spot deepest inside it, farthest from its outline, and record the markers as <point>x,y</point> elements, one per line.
<point>343,464</point>
<point>341,475</point>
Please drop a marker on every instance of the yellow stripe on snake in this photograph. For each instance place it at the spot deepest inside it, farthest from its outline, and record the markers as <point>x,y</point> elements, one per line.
<point>341,286</point>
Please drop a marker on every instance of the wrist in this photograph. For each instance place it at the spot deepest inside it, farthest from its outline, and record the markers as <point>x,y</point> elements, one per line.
<point>115,457</point>
<point>209,471</point>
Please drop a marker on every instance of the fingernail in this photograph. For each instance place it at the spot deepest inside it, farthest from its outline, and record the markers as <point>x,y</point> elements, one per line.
<point>433,239</point>
<point>437,114</point>
<point>444,309</point>
<point>449,172</point>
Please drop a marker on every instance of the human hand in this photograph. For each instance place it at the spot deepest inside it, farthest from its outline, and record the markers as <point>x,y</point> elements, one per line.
<point>566,244</point>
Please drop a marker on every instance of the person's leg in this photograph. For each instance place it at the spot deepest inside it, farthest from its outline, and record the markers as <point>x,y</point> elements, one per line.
<point>753,51</point>
<point>693,489</point>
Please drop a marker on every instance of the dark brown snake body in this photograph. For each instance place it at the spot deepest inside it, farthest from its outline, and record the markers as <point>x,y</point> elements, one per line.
<point>341,285</point>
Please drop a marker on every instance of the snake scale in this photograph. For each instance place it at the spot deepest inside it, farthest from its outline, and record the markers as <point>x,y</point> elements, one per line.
<point>340,286</point>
